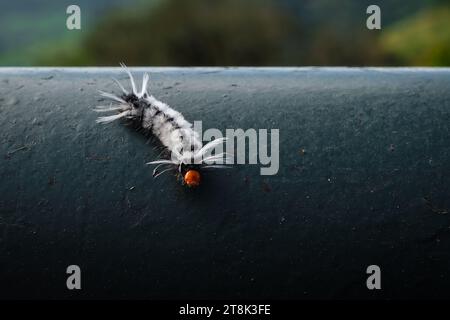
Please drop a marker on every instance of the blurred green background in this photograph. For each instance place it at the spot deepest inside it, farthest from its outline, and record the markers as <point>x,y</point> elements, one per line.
<point>225,33</point>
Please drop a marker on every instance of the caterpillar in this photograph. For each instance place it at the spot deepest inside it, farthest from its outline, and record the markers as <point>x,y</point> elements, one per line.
<point>188,156</point>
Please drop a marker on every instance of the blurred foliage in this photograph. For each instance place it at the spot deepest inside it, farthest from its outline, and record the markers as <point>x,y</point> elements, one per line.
<point>231,32</point>
<point>33,29</point>
<point>423,39</point>
<point>196,32</point>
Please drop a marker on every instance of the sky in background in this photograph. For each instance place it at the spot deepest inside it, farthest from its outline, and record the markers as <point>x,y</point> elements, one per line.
<point>225,33</point>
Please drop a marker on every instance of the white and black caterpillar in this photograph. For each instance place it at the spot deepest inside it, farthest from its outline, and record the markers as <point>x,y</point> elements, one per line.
<point>188,156</point>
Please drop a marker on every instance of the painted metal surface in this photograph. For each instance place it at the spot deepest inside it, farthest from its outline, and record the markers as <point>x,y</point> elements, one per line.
<point>364,179</point>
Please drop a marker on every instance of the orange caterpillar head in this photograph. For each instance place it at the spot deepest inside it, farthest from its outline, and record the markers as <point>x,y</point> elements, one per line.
<point>192,178</point>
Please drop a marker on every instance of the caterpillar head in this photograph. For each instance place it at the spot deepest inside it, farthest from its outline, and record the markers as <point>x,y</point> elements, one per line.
<point>191,174</point>
<point>191,164</point>
<point>192,178</point>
